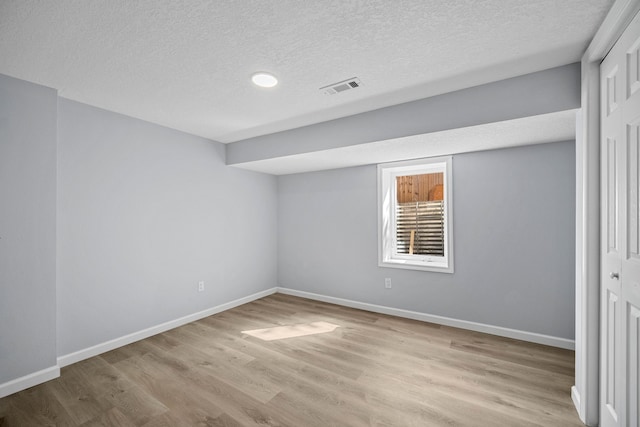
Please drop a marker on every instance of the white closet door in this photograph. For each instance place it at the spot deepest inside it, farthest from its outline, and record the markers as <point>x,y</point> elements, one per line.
<point>620,177</point>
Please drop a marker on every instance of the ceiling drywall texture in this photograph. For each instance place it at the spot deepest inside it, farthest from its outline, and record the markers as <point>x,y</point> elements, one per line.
<point>186,64</point>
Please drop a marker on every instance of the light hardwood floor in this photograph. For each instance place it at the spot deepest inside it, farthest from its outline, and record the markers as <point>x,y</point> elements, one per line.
<point>374,370</point>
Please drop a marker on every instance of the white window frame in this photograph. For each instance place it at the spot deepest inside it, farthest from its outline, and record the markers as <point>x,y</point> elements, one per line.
<point>387,202</point>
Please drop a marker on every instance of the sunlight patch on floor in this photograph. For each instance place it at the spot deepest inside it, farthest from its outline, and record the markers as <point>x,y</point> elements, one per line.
<point>292,331</point>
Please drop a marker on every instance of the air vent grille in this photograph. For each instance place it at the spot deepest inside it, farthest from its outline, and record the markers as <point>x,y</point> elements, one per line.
<point>342,86</point>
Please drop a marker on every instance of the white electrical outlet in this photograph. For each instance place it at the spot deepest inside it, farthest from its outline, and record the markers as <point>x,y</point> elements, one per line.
<point>201,286</point>
<point>387,282</point>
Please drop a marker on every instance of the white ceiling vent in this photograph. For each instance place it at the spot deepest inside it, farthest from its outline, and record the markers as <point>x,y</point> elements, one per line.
<point>342,86</point>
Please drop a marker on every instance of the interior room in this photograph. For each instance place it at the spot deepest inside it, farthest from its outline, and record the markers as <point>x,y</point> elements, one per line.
<point>331,213</point>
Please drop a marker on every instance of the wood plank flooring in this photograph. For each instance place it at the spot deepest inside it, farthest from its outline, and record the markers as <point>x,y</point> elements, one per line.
<point>374,370</point>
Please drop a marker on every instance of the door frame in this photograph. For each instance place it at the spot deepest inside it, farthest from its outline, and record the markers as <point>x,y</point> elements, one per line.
<point>585,393</point>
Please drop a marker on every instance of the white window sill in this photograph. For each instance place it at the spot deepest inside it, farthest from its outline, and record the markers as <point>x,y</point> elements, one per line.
<point>435,267</point>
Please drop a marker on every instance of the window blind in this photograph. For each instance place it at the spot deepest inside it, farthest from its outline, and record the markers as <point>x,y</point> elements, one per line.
<point>420,228</point>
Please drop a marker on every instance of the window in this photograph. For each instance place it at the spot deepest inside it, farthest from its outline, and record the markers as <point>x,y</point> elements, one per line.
<point>414,215</point>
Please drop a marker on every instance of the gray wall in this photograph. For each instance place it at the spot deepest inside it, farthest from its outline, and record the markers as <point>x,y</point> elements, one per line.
<point>514,228</point>
<point>27,228</point>
<point>144,213</point>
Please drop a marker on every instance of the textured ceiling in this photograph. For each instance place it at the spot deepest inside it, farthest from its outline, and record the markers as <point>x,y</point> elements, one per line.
<point>186,64</point>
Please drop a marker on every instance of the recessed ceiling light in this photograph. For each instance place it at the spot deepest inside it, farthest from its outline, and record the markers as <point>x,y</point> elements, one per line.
<point>263,79</point>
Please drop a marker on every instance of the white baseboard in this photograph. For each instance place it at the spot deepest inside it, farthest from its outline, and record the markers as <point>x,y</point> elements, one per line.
<point>30,380</point>
<point>97,349</point>
<point>575,396</point>
<point>447,321</point>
